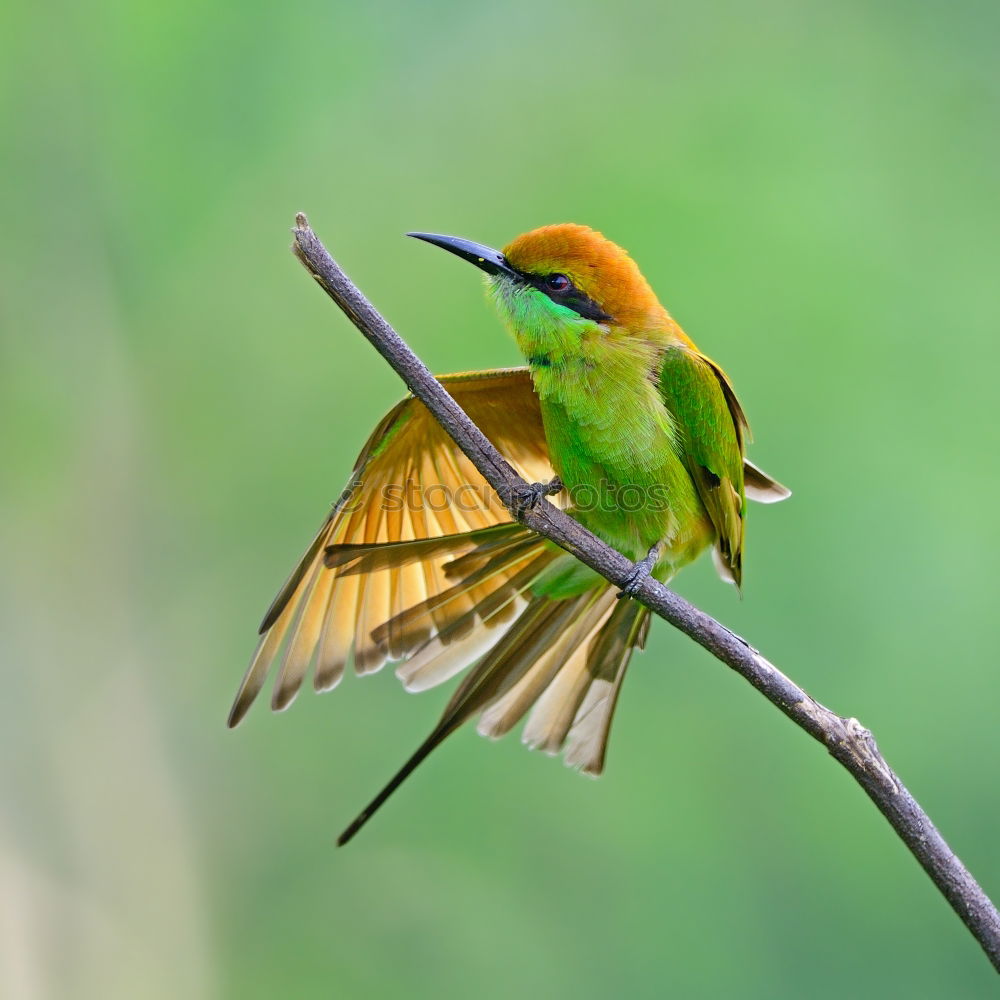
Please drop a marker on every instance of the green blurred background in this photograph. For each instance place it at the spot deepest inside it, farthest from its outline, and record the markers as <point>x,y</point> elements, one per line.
<point>811,189</point>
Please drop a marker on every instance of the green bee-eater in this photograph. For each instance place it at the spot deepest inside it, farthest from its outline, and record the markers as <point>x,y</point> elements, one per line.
<point>618,416</point>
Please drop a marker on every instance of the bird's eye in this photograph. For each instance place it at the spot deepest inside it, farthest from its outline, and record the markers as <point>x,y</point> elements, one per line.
<point>557,282</point>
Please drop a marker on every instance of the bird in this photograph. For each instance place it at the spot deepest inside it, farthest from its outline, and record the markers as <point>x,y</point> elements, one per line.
<point>618,418</point>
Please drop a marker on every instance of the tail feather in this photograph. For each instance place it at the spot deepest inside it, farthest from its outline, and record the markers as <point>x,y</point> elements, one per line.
<point>442,605</point>
<point>555,710</point>
<point>528,641</point>
<point>491,678</point>
<point>548,673</point>
<point>587,741</point>
<point>566,657</point>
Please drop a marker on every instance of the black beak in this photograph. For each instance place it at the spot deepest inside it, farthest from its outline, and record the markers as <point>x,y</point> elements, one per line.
<point>486,259</point>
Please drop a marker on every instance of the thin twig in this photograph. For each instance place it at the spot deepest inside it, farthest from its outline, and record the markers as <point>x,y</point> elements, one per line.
<point>845,738</point>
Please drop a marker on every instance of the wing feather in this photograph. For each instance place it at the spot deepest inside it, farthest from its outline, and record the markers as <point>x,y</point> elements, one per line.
<point>410,483</point>
<point>713,428</point>
<point>761,487</point>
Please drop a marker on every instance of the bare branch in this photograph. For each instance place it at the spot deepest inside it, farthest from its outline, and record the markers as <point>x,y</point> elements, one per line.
<point>845,738</point>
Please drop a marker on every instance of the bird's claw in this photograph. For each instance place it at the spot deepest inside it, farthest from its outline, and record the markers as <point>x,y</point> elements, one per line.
<point>525,498</point>
<point>639,573</point>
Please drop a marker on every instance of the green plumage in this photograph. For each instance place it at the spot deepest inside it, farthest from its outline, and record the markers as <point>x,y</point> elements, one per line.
<point>643,430</point>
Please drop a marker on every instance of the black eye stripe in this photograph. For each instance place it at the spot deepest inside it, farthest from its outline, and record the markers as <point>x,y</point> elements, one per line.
<point>568,295</point>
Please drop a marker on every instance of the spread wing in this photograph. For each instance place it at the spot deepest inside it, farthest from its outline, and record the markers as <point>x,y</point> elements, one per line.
<point>713,428</point>
<point>411,481</point>
<point>410,455</point>
<point>411,485</point>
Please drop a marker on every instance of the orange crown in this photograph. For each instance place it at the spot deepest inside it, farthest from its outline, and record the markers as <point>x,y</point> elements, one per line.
<point>601,269</point>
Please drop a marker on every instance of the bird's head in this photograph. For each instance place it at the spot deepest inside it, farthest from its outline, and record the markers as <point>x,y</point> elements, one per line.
<point>560,282</point>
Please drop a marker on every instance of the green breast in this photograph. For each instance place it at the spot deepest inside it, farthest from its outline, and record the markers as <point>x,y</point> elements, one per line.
<point>611,437</point>
<point>613,444</point>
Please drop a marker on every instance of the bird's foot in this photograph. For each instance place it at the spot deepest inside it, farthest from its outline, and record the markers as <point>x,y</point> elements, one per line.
<point>639,572</point>
<point>526,498</point>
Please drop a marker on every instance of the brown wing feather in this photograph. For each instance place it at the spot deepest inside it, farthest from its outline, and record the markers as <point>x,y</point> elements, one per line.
<point>410,483</point>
